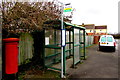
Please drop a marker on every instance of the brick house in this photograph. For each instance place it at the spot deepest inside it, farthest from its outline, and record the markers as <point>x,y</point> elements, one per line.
<point>95,31</point>
<point>100,30</point>
<point>89,28</point>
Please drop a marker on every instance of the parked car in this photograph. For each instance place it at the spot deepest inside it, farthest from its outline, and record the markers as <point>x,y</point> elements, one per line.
<point>107,41</point>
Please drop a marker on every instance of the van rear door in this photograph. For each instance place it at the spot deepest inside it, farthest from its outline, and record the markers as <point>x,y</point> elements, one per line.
<point>103,41</point>
<point>110,41</point>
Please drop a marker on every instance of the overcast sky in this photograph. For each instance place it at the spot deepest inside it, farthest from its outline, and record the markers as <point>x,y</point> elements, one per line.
<point>98,12</point>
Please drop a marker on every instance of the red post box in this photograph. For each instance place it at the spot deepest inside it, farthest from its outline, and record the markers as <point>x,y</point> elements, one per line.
<point>11,55</point>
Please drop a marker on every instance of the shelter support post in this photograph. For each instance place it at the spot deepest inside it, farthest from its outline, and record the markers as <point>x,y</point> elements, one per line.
<point>80,44</point>
<point>69,43</point>
<point>73,48</point>
<point>84,34</point>
<point>43,55</point>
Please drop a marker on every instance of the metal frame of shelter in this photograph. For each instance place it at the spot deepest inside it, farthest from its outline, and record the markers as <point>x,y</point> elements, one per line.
<point>55,25</point>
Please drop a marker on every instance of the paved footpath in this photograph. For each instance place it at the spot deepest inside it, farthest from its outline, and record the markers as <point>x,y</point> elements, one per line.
<point>99,64</point>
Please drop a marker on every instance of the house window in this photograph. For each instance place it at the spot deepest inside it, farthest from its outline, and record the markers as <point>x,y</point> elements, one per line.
<point>90,30</point>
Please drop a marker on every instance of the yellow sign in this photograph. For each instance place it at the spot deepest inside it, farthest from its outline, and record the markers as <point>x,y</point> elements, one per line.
<point>67,9</point>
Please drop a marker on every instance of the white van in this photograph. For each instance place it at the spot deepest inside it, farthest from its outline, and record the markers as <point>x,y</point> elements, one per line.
<point>107,41</point>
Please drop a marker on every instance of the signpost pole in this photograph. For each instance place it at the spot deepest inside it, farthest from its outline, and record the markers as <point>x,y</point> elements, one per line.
<point>62,76</point>
<point>68,9</point>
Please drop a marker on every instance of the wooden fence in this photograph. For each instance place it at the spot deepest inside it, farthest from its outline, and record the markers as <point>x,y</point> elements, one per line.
<point>25,48</point>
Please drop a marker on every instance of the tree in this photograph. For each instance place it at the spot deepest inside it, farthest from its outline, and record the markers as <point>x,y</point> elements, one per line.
<point>28,16</point>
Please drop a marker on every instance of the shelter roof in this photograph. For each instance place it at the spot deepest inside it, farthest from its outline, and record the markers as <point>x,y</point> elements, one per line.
<point>56,24</point>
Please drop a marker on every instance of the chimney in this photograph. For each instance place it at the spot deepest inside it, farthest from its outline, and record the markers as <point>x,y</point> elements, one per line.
<point>83,25</point>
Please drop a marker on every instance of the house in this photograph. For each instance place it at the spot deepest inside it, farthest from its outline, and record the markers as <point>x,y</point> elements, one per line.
<point>95,31</point>
<point>89,33</point>
<point>100,30</point>
<point>89,28</point>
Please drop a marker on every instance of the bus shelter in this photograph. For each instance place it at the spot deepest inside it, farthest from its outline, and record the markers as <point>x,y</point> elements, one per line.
<point>74,44</point>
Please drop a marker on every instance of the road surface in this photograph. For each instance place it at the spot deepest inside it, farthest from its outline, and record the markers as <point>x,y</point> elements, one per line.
<point>99,64</point>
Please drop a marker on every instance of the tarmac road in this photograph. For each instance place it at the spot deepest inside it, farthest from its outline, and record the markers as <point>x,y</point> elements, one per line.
<point>99,64</point>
